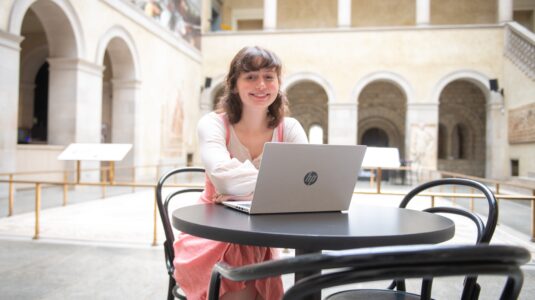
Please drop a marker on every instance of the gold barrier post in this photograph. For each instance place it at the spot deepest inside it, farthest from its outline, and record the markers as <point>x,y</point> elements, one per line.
<point>379,179</point>
<point>65,188</point>
<point>78,171</point>
<point>103,180</point>
<point>11,195</point>
<point>533,217</point>
<point>155,239</point>
<point>432,201</point>
<point>37,209</point>
<point>471,200</point>
<point>112,172</point>
<point>133,179</point>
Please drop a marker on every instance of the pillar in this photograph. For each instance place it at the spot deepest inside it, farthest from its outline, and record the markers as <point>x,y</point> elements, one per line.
<point>422,135</point>
<point>344,13</point>
<point>497,164</point>
<point>342,123</point>
<point>505,11</point>
<point>9,102</point>
<point>423,12</point>
<point>270,14</point>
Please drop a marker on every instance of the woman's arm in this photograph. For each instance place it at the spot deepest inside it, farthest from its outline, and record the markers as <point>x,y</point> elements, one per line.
<point>229,175</point>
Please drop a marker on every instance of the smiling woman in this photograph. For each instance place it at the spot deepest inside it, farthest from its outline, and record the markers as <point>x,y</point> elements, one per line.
<point>251,112</point>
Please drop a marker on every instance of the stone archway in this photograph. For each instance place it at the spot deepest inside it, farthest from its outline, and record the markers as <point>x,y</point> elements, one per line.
<point>120,85</point>
<point>462,117</point>
<point>308,103</point>
<point>382,106</point>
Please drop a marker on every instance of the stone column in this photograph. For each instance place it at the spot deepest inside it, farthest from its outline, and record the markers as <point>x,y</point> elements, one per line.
<point>344,13</point>
<point>342,123</point>
<point>270,14</point>
<point>422,135</point>
<point>26,111</point>
<point>124,108</point>
<point>505,11</point>
<point>75,105</point>
<point>497,164</point>
<point>74,101</point>
<point>9,103</point>
<point>423,12</point>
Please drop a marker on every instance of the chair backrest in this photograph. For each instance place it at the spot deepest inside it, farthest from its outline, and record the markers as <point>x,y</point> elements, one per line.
<point>485,230</point>
<point>423,263</point>
<point>163,209</point>
<point>381,263</point>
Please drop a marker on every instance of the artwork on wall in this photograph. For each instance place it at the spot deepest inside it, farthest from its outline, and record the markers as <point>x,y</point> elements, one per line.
<point>182,17</point>
<point>521,127</point>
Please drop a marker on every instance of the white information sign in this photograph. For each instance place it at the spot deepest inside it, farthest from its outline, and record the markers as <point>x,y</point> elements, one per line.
<point>381,157</point>
<point>97,152</point>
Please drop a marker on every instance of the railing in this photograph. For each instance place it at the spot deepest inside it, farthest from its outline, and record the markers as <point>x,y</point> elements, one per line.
<point>520,48</point>
<point>375,184</point>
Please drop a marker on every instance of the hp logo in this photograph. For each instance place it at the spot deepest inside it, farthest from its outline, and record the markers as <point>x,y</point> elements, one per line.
<point>310,178</point>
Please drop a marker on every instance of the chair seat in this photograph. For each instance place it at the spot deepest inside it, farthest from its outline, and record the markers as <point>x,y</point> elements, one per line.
<point>375,294</point>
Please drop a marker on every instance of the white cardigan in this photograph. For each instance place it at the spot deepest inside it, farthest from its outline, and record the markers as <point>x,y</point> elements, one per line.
<point>237,175</point>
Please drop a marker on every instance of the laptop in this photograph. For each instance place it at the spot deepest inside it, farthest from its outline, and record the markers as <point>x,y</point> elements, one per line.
<point>304,178</point>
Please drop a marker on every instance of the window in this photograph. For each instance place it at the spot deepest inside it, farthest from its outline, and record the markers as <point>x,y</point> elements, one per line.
<point>514,167</point>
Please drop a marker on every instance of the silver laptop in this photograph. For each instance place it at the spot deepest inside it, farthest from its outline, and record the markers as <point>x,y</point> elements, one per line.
<point>304,178</point>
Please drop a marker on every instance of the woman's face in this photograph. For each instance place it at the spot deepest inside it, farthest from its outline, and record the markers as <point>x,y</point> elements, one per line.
<point>258,89</point>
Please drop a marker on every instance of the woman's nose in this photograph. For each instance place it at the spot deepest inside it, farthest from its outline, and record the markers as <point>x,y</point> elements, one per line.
<point>260,83</point>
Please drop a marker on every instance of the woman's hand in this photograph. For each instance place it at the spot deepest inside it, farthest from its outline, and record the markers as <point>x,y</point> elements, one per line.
<point>218,198</point>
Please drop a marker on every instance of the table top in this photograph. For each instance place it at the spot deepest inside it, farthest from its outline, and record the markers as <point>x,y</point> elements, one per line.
<point>360,226</point>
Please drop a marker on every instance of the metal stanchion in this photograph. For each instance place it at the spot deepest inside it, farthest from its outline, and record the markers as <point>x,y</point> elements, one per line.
<point>11,195</point>
<point>37,209</point>
<point>155,239</point>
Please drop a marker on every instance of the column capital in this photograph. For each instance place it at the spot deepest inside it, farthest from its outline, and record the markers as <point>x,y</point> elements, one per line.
<point>62,63</point>
<point>10,41</point>
<point>125,83</point>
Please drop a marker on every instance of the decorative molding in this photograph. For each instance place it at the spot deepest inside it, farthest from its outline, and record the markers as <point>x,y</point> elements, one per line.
<point>10,41</point>
<point>521,125</point>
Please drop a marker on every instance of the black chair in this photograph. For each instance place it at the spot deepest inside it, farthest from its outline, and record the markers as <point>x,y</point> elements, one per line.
<point>484,230</point>
<point>163,206</point>
<point>372,264</point>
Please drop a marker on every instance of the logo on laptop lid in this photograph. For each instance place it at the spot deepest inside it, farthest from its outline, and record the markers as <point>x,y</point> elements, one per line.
<point>310,178</point>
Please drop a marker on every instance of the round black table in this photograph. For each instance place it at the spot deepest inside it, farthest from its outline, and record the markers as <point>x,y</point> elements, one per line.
<point>360,226</point>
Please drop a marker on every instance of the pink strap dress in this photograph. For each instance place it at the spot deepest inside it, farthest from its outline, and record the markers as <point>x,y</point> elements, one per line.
<point>195,256</point>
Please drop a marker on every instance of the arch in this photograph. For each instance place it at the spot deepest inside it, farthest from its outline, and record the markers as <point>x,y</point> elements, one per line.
<point>474,77</point>
<point>208,94</point>
<point>296,78</point>
<point>19,9</point>
<point>391,77</point>
<point>31,63</point>
<point>123,49</point>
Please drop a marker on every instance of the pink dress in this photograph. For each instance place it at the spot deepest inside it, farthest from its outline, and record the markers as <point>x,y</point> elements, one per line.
<point>195,256</point>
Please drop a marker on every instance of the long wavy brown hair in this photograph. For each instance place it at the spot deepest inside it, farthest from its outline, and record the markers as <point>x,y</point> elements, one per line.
<point>250,59</point>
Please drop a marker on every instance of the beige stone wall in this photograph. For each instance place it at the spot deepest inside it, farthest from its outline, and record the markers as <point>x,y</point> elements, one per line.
<point>307,14</point>
<point>383,13</point>
<point>463,12</point>
<point>519,91</point>
<point>168,72</point>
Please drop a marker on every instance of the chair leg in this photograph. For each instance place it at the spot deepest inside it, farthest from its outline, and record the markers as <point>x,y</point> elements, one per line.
<point>427,283</point>
<point>172,283</point>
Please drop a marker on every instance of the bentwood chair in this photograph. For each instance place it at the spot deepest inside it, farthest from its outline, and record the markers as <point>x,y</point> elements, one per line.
<point>484,232</point>
<point>372,264</point>
<point>173,290</point>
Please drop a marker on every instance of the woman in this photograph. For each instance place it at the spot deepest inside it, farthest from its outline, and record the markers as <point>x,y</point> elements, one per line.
<point>251,113</point>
